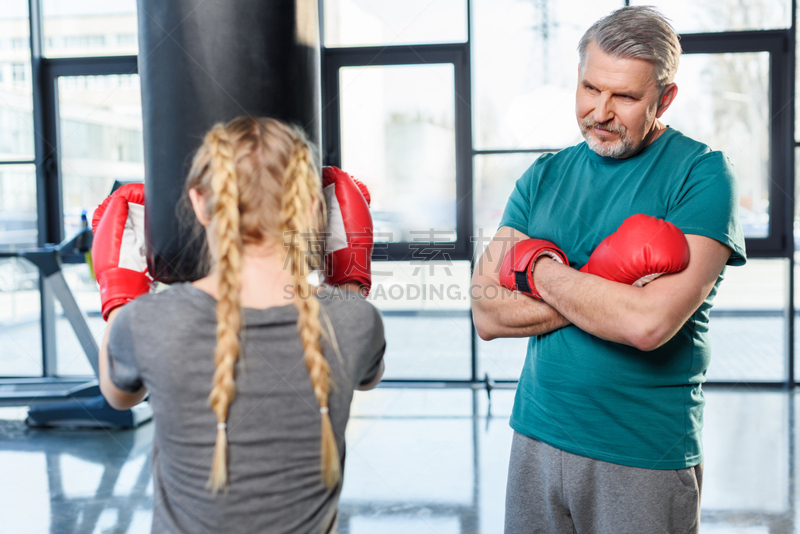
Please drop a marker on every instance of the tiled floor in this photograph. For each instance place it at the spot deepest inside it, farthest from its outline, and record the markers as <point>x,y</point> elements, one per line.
<point>419,461</point>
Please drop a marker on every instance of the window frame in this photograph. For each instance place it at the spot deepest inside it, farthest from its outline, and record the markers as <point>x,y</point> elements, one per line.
<point>51,70</point>
<point>50,213</point>
<point>780,240</point>
<point>456,54</point>
<point>779,243</point>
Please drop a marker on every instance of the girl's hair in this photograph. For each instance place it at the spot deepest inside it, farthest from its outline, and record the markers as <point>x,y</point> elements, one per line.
<point>261,185</point>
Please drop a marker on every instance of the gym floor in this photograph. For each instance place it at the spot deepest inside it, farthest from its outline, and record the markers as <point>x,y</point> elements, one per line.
<point>417,461</point>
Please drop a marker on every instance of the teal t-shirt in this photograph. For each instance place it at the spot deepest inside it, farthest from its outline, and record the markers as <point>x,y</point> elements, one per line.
<point>605,400</point>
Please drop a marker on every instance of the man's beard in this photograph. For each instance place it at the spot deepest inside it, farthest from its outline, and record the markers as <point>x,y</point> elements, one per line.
<point>623,146</point>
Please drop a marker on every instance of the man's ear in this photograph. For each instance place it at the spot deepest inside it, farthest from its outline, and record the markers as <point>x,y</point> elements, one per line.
<point>667,98</point>
<point>199,206</point>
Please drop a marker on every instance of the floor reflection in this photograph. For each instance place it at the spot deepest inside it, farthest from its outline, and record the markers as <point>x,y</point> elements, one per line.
<point>69,481</point>
<point>417,461</point>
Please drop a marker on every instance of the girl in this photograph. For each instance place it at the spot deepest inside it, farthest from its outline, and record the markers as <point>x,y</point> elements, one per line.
<point>268,454</point>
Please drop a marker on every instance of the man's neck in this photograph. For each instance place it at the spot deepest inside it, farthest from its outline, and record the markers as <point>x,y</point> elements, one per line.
<point>654,133</point>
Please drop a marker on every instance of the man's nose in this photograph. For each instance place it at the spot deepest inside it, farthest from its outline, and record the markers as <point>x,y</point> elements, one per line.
<point>603,111</point>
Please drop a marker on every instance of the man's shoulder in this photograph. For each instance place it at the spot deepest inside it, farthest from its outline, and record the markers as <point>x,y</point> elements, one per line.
<point>678,142</point>
<point>566,155</point>
<point>550,161</point>
<point>692,157</point>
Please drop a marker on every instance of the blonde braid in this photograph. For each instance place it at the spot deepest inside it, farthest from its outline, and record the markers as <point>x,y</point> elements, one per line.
<point>298,201</point>
<point>229,247</point>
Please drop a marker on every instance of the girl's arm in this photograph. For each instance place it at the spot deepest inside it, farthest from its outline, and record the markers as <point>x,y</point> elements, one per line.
<point>117,398</point>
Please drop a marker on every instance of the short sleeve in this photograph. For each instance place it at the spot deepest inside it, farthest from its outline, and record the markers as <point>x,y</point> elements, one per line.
<point>707,204</point>
<point>375,348</point>
<point>518,208</point>
<point>122,367</point>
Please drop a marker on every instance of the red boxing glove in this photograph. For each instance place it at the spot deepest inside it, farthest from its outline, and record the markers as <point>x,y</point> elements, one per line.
<point>642,249</point>
<point>349,241</point>
<point>118,247</point>
<point>515,272</point>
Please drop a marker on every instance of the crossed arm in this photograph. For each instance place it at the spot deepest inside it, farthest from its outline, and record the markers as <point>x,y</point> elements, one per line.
<point>508,314</point>
<point>644,318</point>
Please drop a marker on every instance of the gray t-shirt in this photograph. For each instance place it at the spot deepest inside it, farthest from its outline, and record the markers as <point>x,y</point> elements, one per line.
<point>166,342</point>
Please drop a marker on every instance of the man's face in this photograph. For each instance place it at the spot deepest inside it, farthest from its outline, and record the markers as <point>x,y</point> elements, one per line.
<point>616,103</point>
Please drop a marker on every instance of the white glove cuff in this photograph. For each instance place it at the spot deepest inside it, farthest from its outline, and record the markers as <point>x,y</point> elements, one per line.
<point>132,250</point>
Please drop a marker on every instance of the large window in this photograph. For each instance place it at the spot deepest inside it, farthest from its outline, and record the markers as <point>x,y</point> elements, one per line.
<point>16,84</point>
<point>20,305</point>
<point>18,219</point>
<point>385,123</point>
<point>689,16</point>
<point>524,71</point>
<point>398,131</point>
<point>723,101</point>
<point>100,134</point>
<point>398,118</point>
<point>426,316</point>
<point>63,144</point>
<point>80,29</point>
<point>439,110</point>
<point>378,22</point>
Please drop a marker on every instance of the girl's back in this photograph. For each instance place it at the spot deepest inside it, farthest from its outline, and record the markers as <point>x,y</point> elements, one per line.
<point>166,342</point>
<point>250,375</point>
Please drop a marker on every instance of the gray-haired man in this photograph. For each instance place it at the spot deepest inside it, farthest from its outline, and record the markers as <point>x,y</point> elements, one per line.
<point>608,412</point>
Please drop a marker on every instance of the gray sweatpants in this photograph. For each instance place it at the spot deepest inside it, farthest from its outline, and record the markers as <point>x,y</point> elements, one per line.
<point>554,492</point>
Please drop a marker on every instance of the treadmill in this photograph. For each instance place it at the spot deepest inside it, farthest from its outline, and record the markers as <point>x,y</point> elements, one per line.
<point>66,401</point>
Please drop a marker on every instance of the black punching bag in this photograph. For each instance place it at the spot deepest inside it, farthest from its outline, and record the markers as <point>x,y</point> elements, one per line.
<point>208,61</point>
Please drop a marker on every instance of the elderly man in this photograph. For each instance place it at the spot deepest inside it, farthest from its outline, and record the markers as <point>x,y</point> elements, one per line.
<point>608,412</point>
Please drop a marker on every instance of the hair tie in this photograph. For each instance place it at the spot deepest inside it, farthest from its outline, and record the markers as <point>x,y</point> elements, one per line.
<point>221,426</point>
<point>323,410</point>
